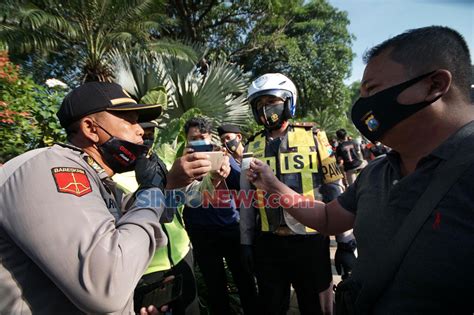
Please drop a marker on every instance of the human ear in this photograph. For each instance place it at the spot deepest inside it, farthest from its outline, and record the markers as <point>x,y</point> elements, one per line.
<point>440,83</point>
<point>89,129</point>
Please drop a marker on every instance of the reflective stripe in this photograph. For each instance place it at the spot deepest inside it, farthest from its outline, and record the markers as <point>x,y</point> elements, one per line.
<point>302,161</point>
<point>307,174</point>
<point>258,148</point>
<point>324,148</point>
<point>122,100</point>
<point>300,137</point>
<point>263,213</point>
<point>178,246</point>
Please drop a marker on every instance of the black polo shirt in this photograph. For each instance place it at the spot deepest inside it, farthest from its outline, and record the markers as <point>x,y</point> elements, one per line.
<point>437,273</point>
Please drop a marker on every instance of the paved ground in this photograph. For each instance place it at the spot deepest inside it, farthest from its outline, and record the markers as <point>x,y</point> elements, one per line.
<point>336,278</point>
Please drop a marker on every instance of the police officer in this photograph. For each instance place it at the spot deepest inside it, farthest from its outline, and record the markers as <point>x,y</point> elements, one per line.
<point>64,248</point>
<point>287,252</point>
<point>231,139</point>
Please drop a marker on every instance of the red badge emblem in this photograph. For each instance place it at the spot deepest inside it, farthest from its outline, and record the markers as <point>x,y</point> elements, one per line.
<point>71,180</point>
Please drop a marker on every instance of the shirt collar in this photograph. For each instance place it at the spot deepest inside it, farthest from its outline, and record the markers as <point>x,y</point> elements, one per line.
<point>460,138</point>
<point>445,150</point>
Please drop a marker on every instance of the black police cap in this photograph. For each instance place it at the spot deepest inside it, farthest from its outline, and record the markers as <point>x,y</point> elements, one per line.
<point>94,97</point>
<point>226,128</point>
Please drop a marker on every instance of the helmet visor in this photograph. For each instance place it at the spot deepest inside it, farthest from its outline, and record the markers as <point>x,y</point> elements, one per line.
<point>283,94</point>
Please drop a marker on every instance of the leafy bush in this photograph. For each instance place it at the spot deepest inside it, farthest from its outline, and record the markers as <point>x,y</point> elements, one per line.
<point>27,112</point>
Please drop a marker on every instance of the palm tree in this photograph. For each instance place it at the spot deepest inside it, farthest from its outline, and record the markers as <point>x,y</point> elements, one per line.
<point>193,87</point>
<point>92,28</point>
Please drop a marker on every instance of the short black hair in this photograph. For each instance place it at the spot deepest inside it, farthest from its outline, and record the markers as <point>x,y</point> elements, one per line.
<point>341,134</point>
<point>203,124</point>
<point>430,48</point>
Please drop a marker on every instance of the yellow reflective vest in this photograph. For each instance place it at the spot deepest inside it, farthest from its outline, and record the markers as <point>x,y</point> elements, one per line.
<point>178,240</point>
<point>303,161</point>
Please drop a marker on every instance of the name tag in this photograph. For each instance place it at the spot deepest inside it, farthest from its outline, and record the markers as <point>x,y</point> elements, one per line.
<point>297,162</point>
<point>331,172</point>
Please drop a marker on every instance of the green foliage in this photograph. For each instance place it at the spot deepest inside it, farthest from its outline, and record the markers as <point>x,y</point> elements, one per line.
<point>218,93</point>
<point>27,116</point>
<point>311,44</point>
<point>91,27</point>
<point>306,40</point>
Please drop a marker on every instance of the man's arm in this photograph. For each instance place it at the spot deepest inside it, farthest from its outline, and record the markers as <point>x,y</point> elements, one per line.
<point>329,219</point>
<point>186,169</point>
<point>94,259</point>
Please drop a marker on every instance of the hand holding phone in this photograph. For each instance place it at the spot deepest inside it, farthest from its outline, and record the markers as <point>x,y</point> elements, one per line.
<point>201,146</point>
<point>163,292</point>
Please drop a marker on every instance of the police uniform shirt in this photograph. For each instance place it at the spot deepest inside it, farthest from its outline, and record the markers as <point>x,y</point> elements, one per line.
<point>435,276</point>
<point>63,247</point>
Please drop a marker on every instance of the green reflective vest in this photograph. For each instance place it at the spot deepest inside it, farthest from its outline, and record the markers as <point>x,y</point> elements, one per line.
<point>178,241</point>
<point>304,162</point>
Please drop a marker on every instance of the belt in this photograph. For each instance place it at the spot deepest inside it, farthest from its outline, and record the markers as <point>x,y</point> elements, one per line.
<point>283,231</point>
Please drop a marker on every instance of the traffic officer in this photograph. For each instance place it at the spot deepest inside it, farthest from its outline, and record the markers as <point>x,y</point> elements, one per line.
<point>176,258</point>
<point>64,248</point>
<point>287,252</point>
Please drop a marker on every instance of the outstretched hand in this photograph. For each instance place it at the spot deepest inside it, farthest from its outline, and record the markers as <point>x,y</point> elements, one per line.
<point>261,176</point>
<point>191,166</point>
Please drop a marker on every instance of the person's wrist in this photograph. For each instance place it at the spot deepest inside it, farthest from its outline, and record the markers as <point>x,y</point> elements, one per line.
<point>347,246</point>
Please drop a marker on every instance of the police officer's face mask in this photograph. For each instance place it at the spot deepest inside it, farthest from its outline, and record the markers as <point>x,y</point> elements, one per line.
<point>121,155</point>
<point>373,116</point>
<point>232,145</point>
<point>272,114</point>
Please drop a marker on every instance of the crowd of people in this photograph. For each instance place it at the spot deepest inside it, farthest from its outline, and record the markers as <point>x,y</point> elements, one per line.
<point>101,224</point>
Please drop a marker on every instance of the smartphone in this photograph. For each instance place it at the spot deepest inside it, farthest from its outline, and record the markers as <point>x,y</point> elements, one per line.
<point>201,146</point>
<point>216,159</point>
<point>163,293</point>
<point>246,159</point>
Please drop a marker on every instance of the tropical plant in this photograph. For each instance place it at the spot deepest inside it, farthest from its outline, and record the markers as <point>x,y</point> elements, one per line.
<point>330,122</point>
<point>217,93</point>
<point>27,112</point>
<point>88,28</point>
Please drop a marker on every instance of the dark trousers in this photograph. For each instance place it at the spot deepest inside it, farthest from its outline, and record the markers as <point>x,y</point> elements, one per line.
<point>187,303</point>
<point>210,249</point>
<point>302,261</point>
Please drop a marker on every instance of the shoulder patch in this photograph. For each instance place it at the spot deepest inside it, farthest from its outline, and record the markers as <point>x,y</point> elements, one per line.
<point>304,124</point>
<point>71,180</point>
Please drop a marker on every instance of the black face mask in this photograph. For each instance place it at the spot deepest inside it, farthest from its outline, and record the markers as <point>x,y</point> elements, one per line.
<point>373,116</point>
<point>232,145</point>
<point>121,155</point>
<point>273,115</point>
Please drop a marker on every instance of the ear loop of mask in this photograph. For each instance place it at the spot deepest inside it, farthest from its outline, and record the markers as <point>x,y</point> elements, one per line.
<point>103,129</point>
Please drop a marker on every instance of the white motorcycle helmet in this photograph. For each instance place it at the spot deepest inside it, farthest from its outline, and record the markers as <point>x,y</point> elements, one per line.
<point>275,84</point>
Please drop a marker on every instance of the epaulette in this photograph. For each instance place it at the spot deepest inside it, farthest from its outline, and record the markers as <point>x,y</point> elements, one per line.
<point>69,146</point>
<point>303,124</point>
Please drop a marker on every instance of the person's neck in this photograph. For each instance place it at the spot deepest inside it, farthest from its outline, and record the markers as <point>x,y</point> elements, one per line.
<point>438,131</point>
<point>94,153</point>
<point>277,133</point>
<point>238,153</point>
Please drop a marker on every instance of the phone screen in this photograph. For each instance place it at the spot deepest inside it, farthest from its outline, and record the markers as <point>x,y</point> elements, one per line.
<point>201,146</point>
<point>164,293</point>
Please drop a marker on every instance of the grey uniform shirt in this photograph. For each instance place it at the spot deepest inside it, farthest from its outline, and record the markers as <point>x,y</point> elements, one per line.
<point>63,247</point>
<point>436,275</point>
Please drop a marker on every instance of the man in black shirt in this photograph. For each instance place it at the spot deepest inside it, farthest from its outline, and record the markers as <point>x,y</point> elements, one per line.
<point>415,99</point>
<point>348,155</point>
